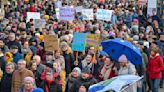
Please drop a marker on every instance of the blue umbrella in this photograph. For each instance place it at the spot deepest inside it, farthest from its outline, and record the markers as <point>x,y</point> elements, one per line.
<point>116,47</point>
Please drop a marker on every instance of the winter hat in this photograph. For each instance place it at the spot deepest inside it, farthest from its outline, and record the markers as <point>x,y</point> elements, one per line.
<point>48,64</point>
<point>38,90</point>
<point>135,20</point>
<point>86,70</point>
<point>42,44</point>
<point>111,33</point>
<point>77,69</point>
<point>29,79</point>
<point>123,58</point>
<point>10,56</point>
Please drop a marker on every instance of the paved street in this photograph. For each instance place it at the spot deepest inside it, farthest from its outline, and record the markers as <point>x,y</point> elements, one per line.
<point>162,90</point>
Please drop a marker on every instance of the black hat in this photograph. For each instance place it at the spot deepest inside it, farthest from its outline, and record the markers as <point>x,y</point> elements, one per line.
<point>86,70</point>
<point>14,47</point>
<point>48,64</point>
<point>42,44</point>
<point>49,53</point>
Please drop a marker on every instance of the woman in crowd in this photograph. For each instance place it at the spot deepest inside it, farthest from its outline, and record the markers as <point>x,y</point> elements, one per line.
<point>28,85</point>
<point>154,68</point>
<point>74,75</point>
<point>50,84</point>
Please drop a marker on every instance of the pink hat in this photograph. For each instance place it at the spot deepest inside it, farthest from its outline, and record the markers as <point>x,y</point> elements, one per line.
<point>123,58</point>
<point>135,20</point>
<point>29,79</point>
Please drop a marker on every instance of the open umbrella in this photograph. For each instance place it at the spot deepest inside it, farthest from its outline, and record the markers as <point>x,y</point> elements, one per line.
<point>116,47</point>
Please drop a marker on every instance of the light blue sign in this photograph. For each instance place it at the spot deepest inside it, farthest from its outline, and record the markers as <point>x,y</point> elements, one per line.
<point>79,42</point>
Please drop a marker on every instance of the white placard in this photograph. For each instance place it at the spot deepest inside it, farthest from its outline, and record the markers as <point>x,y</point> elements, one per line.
<point>32,15</point>
<point>87,14</point>
<point>103,14</point>
<point>79,8</point>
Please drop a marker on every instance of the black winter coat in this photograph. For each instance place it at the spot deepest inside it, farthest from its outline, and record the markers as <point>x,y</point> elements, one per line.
<point>54,87</point>
<point>6,83</point>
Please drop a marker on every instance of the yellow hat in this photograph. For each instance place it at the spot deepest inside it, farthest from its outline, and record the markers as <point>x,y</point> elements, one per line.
<point>46,17</point>
<point>10,57</point>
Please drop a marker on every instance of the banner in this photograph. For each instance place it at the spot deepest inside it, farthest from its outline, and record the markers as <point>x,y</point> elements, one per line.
<point>32,15</point>
<point>79,8</point>
<point>79,42</point>
<point>103,14</point>
<point>67,13</point>
<point>115,84</point>
<point>51,42</point>
<point>93,40</point>
<point>39,23</point>
<point>87,14</point>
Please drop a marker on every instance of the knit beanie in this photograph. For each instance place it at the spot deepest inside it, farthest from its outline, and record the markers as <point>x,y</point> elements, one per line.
<point>123,58</point>
<point>29,79</point>
<point>86,70</point>
<point>77,69</point>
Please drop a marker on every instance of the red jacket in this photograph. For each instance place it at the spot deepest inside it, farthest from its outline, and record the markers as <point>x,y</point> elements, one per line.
<point>32,9</point>
<point>155,66</point>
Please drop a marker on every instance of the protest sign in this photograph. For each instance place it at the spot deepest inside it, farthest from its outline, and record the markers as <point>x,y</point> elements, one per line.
<point>39,23</point>
<point>58,4</point>
<point>103,14</point>
<point>87,14</point>
<point>79,8</point>
<point>93,40</point>
<point>32,15</point>
<point>67,13</point>
<point>152,5</point>
<point>51,42</point>
<point>79,42</point>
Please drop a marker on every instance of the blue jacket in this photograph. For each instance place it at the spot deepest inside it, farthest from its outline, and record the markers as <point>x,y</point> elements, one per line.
<point>17,57</point>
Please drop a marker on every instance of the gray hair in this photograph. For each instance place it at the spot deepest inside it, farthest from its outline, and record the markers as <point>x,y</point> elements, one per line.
<point>23,61</point>
<point>11,64</point>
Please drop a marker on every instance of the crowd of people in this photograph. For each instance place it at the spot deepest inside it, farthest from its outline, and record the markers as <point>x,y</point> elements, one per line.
<point>27,67</point>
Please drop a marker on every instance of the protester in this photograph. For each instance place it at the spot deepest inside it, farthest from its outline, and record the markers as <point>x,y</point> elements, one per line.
<point>16,55</point>
<point>125,66</point>
<point>7,78</point>
<point>28,85</point>
<point>75,74</point>
<point>50,84</point>
<point>19,75</point>
<point>85,79</point>
<point>154,68</point>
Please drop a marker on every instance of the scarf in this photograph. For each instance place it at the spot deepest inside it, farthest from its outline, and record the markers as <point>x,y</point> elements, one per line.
<point>49,82</point>
<point>106,71</point>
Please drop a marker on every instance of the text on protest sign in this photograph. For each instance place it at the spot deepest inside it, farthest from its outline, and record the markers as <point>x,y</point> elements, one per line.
<point>51,42</point>
<point>67,13</point>
<point>79,42</point>
<point>103,14</point>
<point>39,23</point>
<point>87,14</point>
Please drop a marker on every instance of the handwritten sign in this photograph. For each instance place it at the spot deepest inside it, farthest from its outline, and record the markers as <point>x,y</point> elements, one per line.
<point>87,14</point>
<point>39,23</point>
<point>67,13</point>
<point>32,15</point>
<point>79,42</point>
<point>93,40</point>
<point>51,42</point>
<point>103,14</point>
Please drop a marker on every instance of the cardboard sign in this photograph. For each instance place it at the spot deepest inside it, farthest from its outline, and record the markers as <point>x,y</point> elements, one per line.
<point>103,14</point>
<point>51,42</point>
<point>79,42</point>
<point>67,13</point>
<point>93,40</point>
<point>87,14</point>
<point>39,23</point>
<point>32,15</point>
